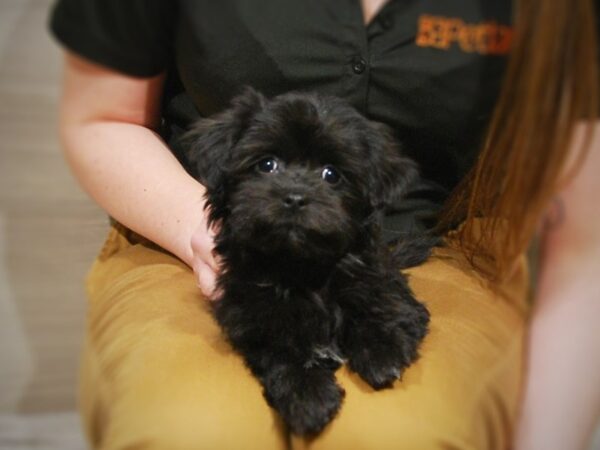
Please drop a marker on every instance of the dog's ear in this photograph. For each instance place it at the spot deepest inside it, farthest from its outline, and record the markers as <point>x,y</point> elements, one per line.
<point>210,142</point>
<point>390,173</point>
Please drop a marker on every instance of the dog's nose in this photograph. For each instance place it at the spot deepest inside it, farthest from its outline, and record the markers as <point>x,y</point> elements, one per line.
<point>294,200</point>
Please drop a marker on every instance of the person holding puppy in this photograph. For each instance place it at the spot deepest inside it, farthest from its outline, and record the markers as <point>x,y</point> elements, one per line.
<point>497,114</point>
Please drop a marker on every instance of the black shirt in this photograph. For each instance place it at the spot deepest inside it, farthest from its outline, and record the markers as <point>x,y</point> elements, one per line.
<point>430,69</point>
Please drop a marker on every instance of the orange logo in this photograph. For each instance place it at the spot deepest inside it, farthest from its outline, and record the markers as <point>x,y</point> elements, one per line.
<point>487,38</point>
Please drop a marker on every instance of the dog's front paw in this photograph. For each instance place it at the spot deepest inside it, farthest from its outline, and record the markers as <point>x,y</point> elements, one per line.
<point>310,411</point>
<point>383,340</point>
<point>307,404</point>
<point>381,358</point>
<point>376,368</point>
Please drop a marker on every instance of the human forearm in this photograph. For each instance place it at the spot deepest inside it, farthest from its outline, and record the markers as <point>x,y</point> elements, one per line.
<point>562,389</point>
<point>129,171</point>
<point>106,123</point>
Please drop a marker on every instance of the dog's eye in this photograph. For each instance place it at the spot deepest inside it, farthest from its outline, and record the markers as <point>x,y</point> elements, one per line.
<point>330,174</point>
<point>267,165</point>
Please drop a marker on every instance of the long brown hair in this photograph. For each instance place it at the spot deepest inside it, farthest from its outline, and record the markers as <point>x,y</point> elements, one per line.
<point>551,83</point>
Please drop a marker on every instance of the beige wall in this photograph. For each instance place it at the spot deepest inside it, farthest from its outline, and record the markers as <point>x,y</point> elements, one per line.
<point>49,230</point>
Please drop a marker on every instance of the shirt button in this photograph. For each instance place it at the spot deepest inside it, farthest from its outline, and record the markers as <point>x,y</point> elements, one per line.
<point>358,65</point>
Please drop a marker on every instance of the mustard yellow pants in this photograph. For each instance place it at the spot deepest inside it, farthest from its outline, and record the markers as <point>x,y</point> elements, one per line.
<point>157,373</point>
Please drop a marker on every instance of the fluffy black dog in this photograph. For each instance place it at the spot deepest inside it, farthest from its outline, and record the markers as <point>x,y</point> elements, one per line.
<point>298,184</point>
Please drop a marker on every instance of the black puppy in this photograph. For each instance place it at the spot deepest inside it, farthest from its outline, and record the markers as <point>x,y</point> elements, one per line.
<point>298,184</point>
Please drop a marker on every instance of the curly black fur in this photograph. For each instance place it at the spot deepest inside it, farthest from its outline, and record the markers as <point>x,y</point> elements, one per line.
<point>306,281</point>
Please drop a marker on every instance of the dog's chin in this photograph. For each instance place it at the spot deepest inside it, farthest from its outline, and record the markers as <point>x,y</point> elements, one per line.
<point>292,241</point>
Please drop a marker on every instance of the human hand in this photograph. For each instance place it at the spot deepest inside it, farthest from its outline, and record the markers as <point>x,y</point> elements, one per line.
<point>205,262</point>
